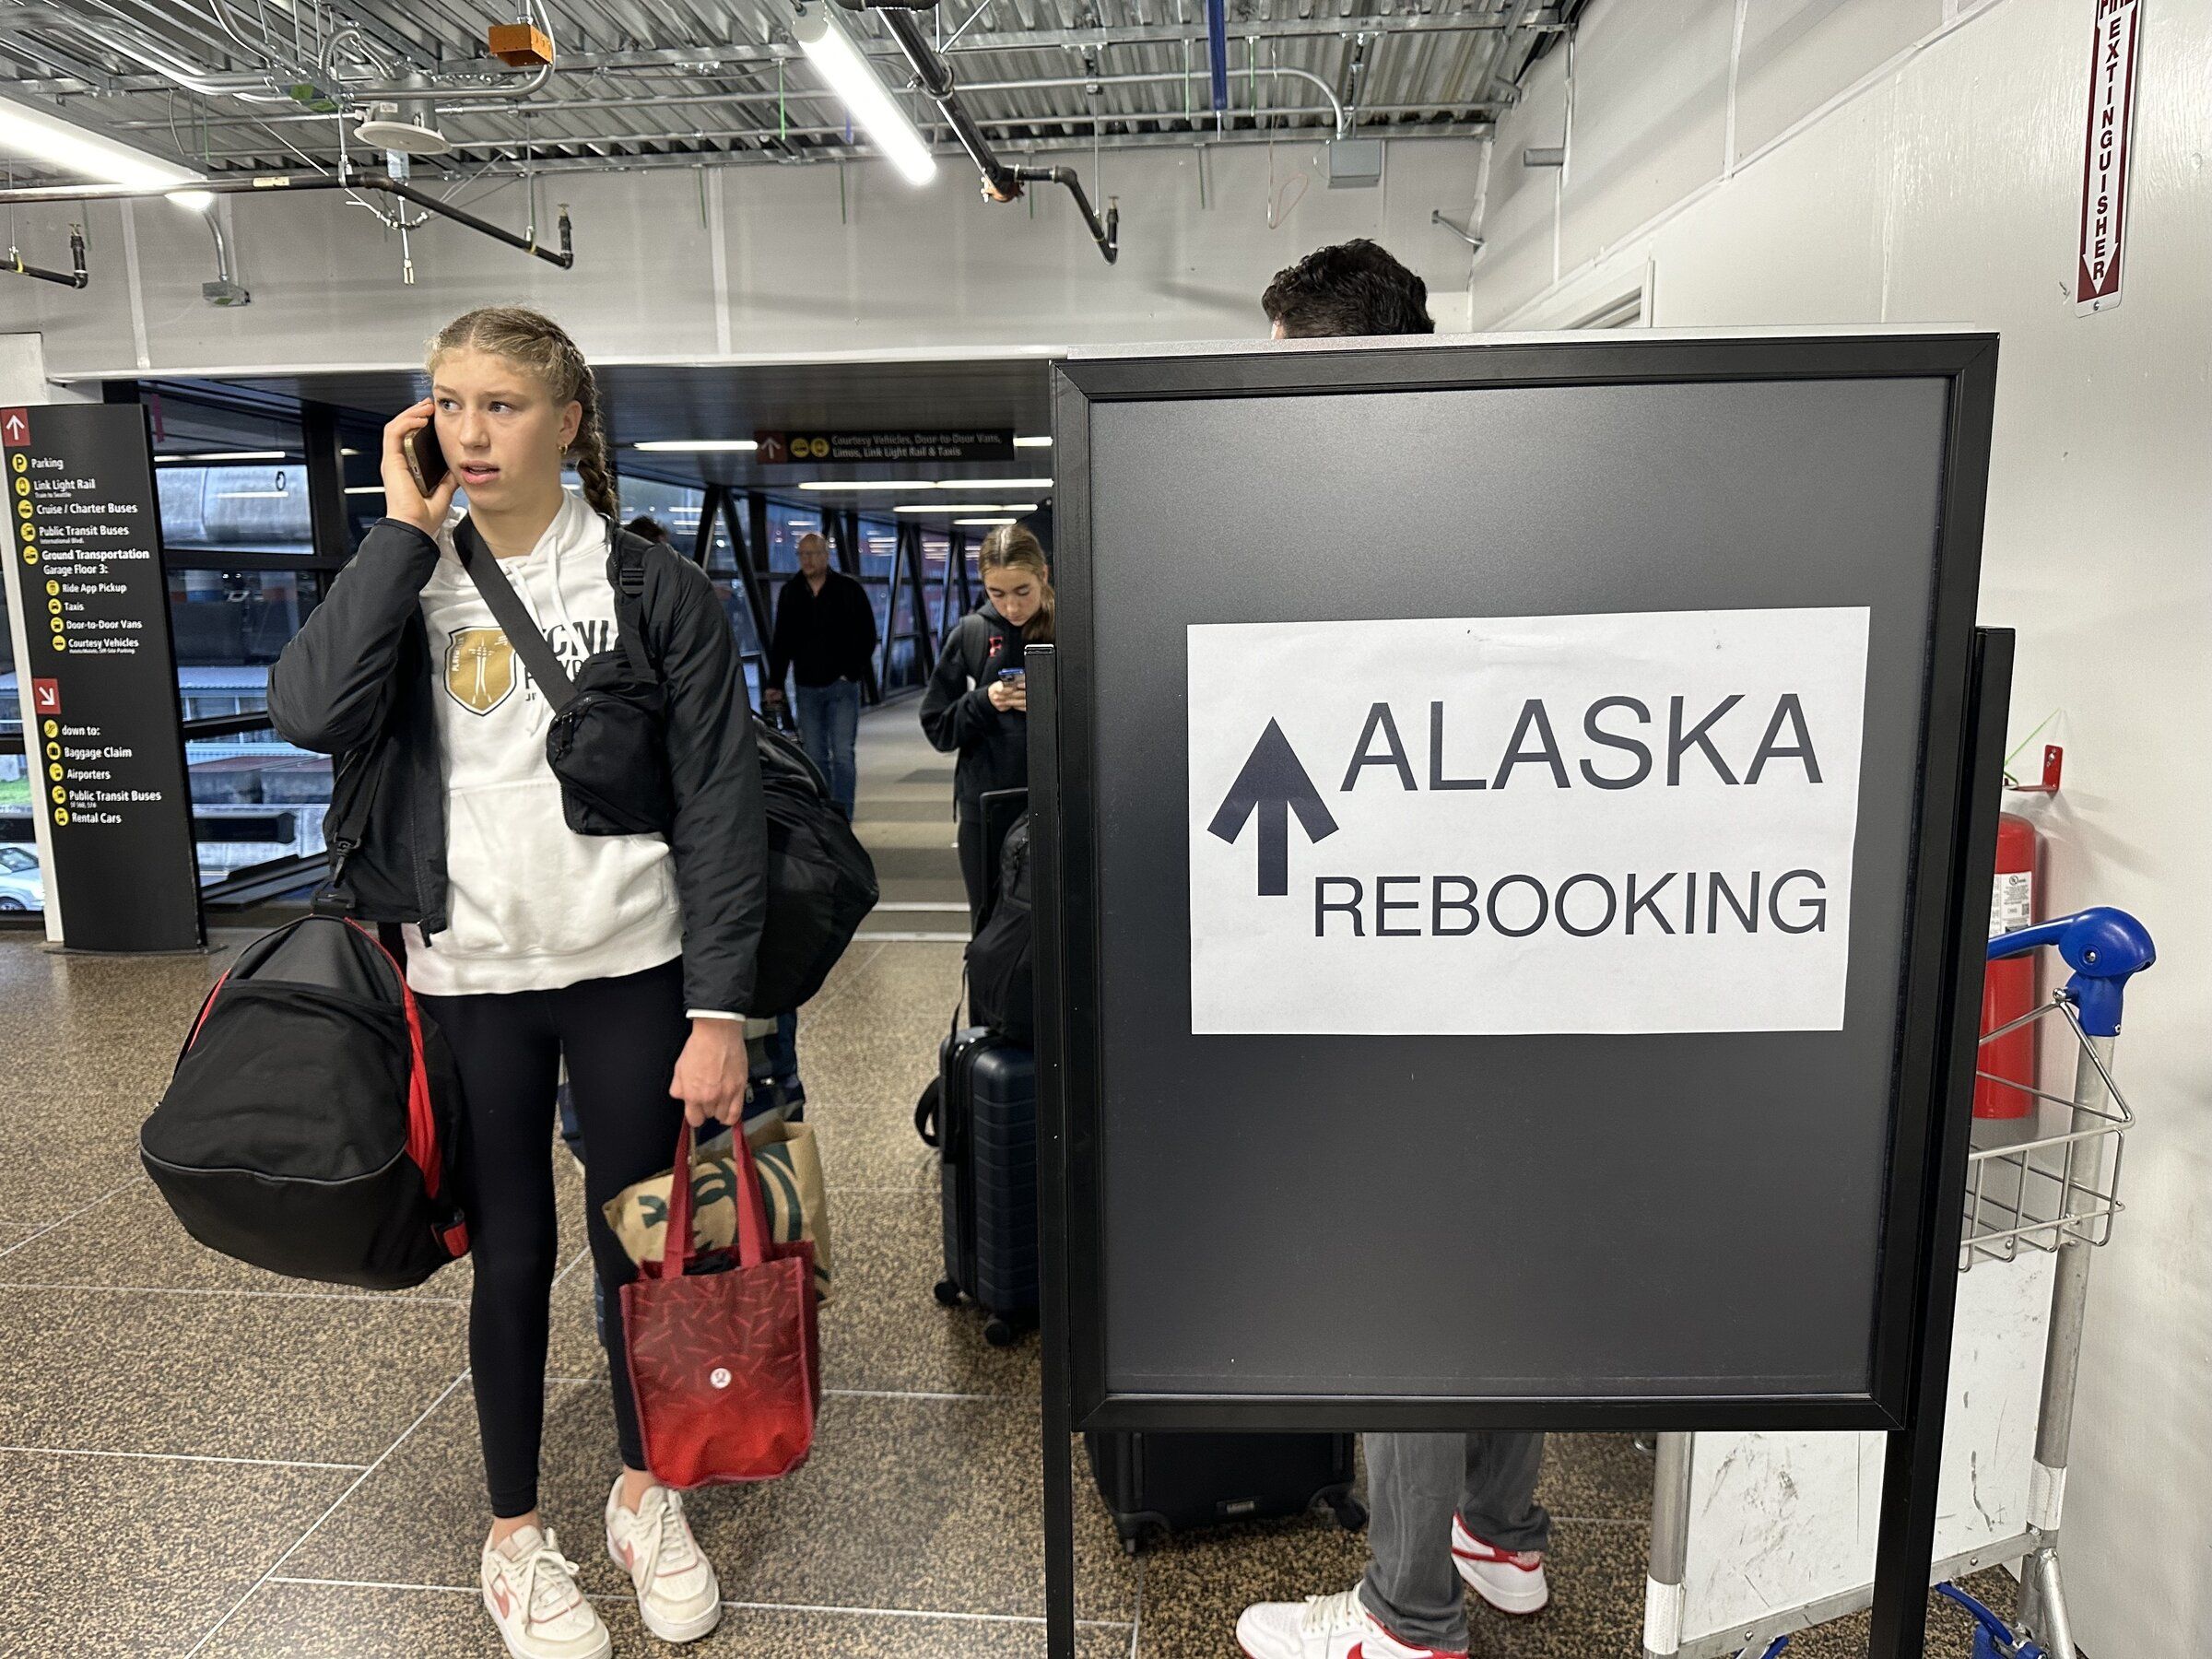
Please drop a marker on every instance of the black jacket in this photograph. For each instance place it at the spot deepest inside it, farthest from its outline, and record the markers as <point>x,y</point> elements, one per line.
<point>823,638</point>
<point>958,716</point>
<point>355,683</point>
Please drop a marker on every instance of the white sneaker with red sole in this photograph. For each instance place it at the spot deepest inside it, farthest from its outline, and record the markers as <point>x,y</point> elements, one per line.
<point>1511,1580</point>
<point>1325,1627</point>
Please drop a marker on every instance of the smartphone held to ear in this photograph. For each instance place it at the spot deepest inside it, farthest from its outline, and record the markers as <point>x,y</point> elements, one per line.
<point>426,461</point>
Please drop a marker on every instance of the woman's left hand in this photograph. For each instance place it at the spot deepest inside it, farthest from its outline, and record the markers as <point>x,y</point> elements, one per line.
<point>711,1072</point>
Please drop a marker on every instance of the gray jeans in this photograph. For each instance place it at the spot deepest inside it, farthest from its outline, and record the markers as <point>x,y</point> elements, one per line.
<point>1415,1484</point>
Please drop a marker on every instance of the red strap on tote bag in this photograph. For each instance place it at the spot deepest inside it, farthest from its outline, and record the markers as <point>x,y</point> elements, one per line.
<point>725,1366</point>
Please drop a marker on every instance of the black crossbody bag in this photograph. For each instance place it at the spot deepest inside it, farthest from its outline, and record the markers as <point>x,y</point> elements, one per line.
<point>607,743</point>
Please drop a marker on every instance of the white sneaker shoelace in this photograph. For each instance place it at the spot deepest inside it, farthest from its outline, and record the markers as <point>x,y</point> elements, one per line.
<point>548,1582</point>
<point>1329,1614</point>
<point>662,1536</point>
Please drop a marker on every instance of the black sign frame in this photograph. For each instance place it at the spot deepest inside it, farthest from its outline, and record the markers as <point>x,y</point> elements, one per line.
<point>1952,856</point>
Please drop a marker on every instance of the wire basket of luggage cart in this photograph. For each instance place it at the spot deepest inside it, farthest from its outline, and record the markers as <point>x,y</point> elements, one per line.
<point>1780,1537</point>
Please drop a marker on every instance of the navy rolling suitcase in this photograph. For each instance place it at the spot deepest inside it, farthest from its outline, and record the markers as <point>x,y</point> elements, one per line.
<point>983,1123</point>
<point>1176,1482</point>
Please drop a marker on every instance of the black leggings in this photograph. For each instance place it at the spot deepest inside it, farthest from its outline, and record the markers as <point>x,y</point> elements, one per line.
<point>621,1038</point>
<point>975,873</point>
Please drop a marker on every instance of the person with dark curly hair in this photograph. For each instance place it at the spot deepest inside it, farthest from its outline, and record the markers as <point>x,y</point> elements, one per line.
<point>1450,1513</point>
<point>1355,288</point>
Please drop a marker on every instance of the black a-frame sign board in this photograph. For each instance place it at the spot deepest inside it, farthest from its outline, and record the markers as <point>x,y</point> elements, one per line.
<point>1514,821</point>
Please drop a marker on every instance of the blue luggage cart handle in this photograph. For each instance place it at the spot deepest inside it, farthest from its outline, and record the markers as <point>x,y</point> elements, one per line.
<point>2104,947</point>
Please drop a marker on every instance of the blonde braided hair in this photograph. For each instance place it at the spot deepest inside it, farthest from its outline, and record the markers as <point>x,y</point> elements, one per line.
<point>540,344</point>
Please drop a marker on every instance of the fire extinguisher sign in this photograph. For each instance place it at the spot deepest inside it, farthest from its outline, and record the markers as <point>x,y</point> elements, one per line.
<point>2104,154</point>
<point>1642,821</point>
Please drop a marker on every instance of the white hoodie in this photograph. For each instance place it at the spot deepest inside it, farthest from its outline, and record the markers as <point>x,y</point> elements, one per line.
<point>533,905</point>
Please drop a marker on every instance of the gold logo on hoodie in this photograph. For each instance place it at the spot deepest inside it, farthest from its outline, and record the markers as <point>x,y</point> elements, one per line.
<point>479,670</point>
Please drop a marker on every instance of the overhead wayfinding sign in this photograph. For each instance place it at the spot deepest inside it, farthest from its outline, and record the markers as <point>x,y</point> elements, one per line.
<point>1626,823</point>
<point>100,733</point>
<point>809,449</point>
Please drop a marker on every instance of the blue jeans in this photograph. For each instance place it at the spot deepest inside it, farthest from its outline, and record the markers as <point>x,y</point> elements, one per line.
<point>829,720</point>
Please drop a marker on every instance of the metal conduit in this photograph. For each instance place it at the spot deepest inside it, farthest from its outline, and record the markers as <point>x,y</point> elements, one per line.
<point>1001,182</point>
<point>297,183</point>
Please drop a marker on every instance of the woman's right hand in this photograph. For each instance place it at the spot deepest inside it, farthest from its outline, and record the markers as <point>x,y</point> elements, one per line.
<point>402,500</point>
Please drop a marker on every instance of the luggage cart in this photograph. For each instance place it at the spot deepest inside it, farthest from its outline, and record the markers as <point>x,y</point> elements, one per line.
<point>2048,1182</point>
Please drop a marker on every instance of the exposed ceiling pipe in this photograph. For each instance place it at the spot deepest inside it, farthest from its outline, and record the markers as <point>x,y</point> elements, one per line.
<point>293,183</point>
<point>140,51</point>
<point>765,140</point>
<point>1001,182</point>
<point>77,278</point>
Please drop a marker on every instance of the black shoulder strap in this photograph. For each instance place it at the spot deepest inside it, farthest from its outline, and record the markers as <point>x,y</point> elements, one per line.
<point>626,556</point>
<point>514,617</point>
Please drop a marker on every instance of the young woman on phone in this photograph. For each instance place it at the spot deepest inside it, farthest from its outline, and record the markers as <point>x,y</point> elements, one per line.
<point>977,704</point>
<point>632,956</point>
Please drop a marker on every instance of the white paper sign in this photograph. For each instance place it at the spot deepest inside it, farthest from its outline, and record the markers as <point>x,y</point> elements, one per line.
<point>1639,822</point>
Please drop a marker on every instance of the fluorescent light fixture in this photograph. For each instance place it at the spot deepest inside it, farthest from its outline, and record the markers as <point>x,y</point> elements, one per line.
<point>29,132</point>
<point>1032,443</point>
<point>984,521</point>
<point>200,456</point>
<point>364,489</point>
<point>935,507</point>
<point>687,445</point>
<point>965,485</point>
<point>193,201</point>
<point>847,74</point>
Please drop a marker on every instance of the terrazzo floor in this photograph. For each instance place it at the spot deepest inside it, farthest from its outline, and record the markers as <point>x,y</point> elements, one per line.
<point>200,1459</point>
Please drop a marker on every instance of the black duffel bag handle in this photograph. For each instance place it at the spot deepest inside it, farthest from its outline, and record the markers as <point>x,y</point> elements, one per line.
<point>607,742</point>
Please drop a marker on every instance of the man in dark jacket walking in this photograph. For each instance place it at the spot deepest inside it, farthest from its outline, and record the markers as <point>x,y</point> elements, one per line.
<point>825,635</point>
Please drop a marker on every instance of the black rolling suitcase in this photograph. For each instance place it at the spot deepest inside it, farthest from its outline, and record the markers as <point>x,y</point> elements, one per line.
<point>981,1117</point>
<point>1176,1482</point>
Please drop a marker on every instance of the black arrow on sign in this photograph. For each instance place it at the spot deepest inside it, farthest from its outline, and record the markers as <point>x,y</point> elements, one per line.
<point>1273,783</point>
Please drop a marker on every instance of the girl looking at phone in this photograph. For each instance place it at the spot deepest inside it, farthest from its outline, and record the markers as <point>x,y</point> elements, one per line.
<point>977,704</point>
<point>628,955</point>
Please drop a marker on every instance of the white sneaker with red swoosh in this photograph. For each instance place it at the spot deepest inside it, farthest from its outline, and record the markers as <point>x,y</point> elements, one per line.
<point>678,1597</point>
<point>1511,1580</point>
<point>530,1592</point>
<point>1325,1627</point>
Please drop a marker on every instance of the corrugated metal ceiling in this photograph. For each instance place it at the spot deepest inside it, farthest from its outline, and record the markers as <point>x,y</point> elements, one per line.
<point>260,86</point>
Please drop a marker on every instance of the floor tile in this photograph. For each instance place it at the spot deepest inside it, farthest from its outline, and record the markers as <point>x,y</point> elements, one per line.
<point>873,1148</point>
<point>105,1556</point>
<point>922,1505</point>
<point>294,1621</point>
<point>877,1043</point>
<point>133,1238</point>
<point>233,1376</point>
<point>884,1328</point>
<point>1596,1478</point>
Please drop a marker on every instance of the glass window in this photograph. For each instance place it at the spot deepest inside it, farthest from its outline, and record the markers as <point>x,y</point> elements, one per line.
<point>254,798</point>
<point>239,619</point>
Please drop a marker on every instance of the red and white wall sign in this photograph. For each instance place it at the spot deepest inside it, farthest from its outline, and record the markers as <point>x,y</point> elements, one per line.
<point>2104,154</point>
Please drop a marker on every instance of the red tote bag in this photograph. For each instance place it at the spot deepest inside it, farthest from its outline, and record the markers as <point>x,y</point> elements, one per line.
<point>725,1365</point>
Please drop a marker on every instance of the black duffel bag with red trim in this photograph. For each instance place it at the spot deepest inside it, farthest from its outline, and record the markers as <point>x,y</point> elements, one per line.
<point>310,1126</point>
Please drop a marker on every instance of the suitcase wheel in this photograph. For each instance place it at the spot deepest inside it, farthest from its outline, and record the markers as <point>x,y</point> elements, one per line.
<point>947,1294</point>
<point>999,1334</point>
<point>1351,1514</point>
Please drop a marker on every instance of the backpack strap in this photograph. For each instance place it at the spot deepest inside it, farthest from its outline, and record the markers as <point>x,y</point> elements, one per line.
<point>626,556</point>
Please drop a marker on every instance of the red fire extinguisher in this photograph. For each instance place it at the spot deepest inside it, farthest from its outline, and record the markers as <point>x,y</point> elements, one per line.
<point>2009,987</point>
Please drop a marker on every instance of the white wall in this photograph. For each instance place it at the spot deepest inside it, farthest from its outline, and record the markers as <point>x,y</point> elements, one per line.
<point>1853,161</point>
<point>745,262</point>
